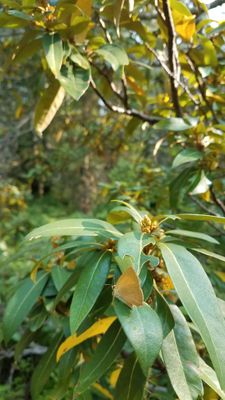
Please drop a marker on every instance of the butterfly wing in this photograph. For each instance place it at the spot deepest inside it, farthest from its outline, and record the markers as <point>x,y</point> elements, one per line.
<point>128,288</point>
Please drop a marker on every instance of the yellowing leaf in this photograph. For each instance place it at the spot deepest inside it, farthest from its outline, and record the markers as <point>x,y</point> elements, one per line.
<point>114,377</point>
<point>48,105</point>
<point>131,81</point>
<point>221,275</point>
<point>184,21</point>
<point>85,6</point>
<point>97,328</point>
<point>106,393</point>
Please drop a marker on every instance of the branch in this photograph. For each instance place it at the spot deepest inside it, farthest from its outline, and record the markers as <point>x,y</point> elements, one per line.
<point>167,70</point>
<point>121,110</point>
<point>173,57</point>
<point>217,201</point>
<point>215,4</point>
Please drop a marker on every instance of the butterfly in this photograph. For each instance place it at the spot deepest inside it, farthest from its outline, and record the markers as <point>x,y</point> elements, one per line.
<point>128,289</point>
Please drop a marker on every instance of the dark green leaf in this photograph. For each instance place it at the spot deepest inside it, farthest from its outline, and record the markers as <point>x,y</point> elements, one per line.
<point>44,368</point>
<point>104,355</point>
<point>88,288</point>
<point>22,302</point>
<point>131,382</point>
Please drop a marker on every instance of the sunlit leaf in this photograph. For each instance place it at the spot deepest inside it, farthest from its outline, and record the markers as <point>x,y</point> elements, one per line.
<point>49,103</point>
<point>97,328</point>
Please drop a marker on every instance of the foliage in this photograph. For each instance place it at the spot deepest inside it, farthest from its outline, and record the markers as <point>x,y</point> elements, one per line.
<point>102,101</point>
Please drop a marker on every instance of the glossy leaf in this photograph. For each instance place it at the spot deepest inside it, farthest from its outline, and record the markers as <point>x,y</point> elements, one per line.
<point>132,244</point>
<point>104,355</point>
<point>21,303</point>
<point>88,288</point>
<point>198,297</point>
<point>75,227</point>
<point>75,80</point>
<point>180,356</point>
<point>46,108</point>
<point>196,235</point>
<point>113,54</point>
<point>144,331</point>
<point>45,367</point>
<point>131,382</point>
<point>186,156</point>
<point>99,327</point>
<point>54,53</point>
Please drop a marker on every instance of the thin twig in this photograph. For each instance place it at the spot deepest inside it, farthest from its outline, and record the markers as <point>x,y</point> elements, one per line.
<point>217,201</point>
<point>121,110</point>
<point>167,70</point>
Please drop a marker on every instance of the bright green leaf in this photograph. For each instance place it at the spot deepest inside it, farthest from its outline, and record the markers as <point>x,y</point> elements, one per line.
<point>54,53</point>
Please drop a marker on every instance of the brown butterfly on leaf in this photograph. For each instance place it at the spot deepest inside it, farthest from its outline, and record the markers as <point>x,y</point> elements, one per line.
<point>128,288</point>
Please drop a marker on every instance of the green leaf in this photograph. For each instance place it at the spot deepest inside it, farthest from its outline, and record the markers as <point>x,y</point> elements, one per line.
<point>75,227</point>
<point>60,276</point>
<point>21,303</point>
<point>25,340</point>
<point>27,47</point>
<point>172,124</point>
<point>210,254</point>
<point>208,375</point>
<point>164,313</point>
<point>80,60</point>
<point>197,235</point>
<point>11,21</point>
<point>180,356</point>
<point>197,295</point>
<point>144,331</point>
<point>54,53</point>
<point>107,350</point>
<point>88,288</point>
<point>75,80</point>
<point>202,217</point>
<point>114,55</point>
<point>186,156</point>
<point>132,244</point>
<point>131,382</point>
<point>49,103</point>
<point>44,368</point>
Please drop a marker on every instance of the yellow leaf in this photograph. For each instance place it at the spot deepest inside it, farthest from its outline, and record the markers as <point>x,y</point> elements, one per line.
<point>85,6</point>
<point>33,274</point>
<point>48,105</point>
<point>131,81</point>
<point>184,21</point>
<point>221,275</point>
<point>114,377</point>
<point>97,328</point>
<point>103,391</point>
